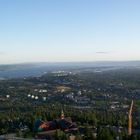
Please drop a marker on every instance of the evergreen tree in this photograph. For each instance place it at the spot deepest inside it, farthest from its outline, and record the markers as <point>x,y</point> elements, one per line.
<point>104,134</point>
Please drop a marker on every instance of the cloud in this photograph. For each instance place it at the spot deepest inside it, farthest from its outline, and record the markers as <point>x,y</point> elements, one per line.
<point>102,52</point>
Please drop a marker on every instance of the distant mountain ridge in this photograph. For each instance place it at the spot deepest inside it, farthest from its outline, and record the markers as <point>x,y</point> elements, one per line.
<point>36,69</point>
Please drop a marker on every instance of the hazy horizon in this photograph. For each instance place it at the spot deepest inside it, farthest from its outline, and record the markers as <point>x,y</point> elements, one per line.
<point>75,62</point>
<point>69,31</point>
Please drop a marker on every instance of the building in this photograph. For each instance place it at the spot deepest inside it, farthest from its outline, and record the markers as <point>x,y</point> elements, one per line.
<point>46,129</point>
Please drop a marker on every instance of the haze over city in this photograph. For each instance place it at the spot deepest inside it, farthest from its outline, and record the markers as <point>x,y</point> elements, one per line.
<point>69,30</point>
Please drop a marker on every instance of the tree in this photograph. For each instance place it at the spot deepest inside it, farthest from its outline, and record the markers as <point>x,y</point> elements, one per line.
<point>104,134</point>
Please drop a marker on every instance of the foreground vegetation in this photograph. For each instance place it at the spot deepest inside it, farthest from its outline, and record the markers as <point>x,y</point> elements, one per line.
<point>97,102</point>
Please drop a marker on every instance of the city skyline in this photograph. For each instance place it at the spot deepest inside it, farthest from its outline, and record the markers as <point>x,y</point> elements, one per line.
<point>73,30</point>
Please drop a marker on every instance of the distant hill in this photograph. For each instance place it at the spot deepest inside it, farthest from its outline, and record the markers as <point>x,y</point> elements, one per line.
<point>37,69</point>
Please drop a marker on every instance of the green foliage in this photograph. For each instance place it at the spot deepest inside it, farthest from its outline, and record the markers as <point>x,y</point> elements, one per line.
<point>104,134</point>
<point>60,135</point>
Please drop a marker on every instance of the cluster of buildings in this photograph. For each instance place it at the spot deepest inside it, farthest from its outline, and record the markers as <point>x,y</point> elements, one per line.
<point>47,129</point>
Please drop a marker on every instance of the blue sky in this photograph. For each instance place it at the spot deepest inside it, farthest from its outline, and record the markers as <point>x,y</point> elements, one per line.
<point>69,30</point>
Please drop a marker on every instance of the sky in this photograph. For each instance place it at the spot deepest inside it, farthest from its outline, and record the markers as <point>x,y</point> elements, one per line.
<point>69,30</point>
